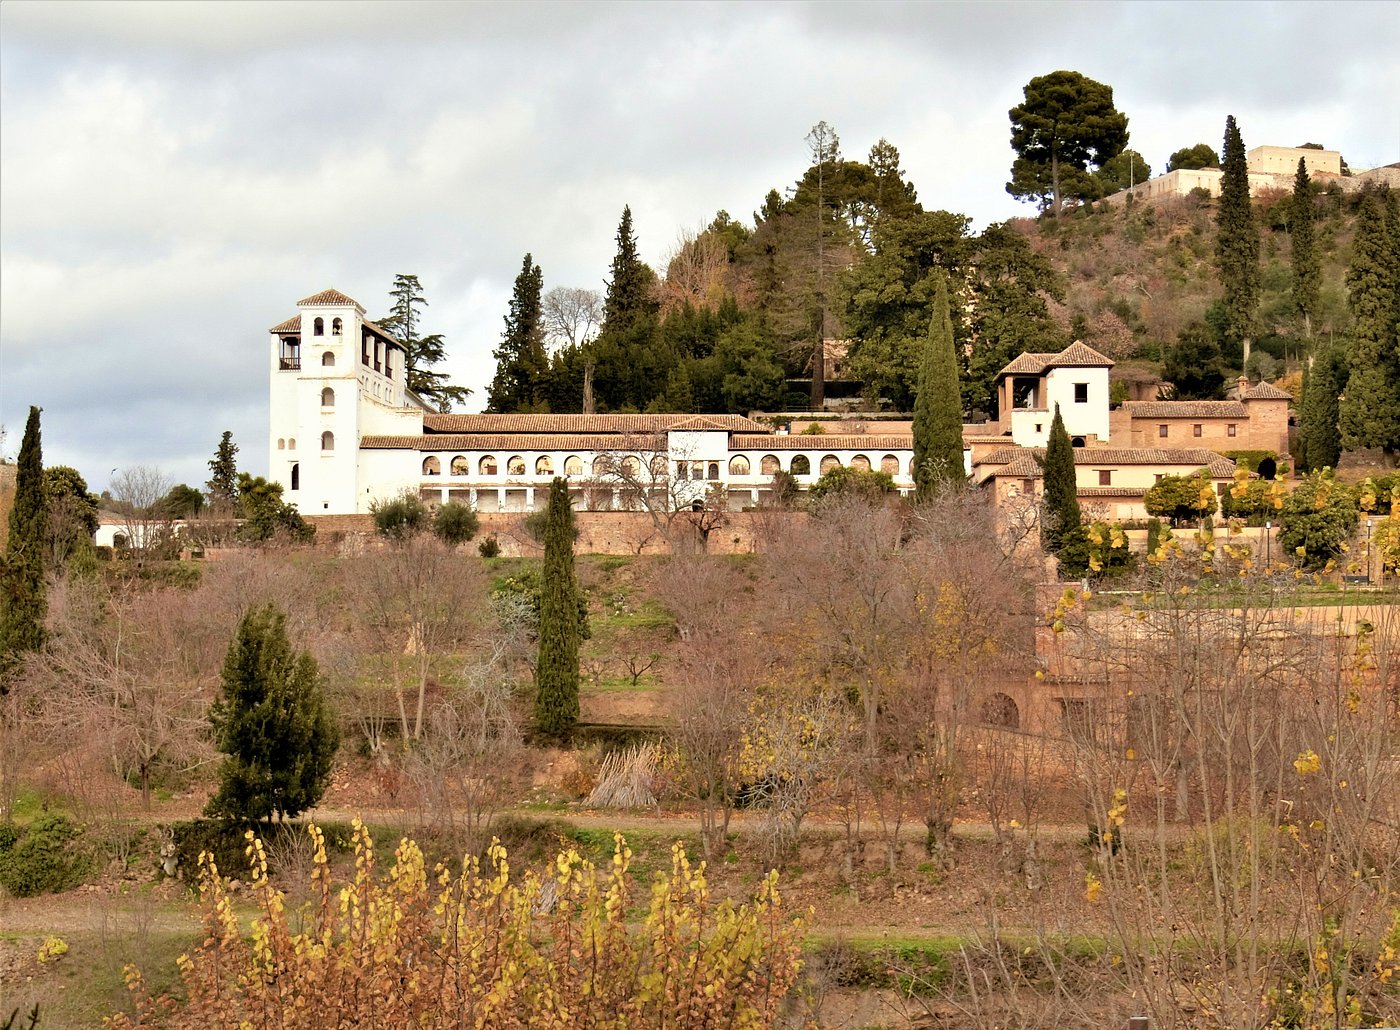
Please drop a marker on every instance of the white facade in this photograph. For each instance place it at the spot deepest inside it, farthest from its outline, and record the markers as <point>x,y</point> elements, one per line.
<point>335,377</point>
<point>344,433</point>
<point>1032,385</point>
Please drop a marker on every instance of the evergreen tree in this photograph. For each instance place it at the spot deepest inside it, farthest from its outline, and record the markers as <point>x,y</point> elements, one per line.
<point>556,672</point>
<point>421,353</point>
<point>1067,123</point>
<point>1061,495</point>
<point>223,472</point>
<point>1307,272</point>
<point>273,723</point>
<point>23,603</point>
<point>522,365</point>
<point>1319,436</point>
<point>938,443</point>
<point>1370,416</point>
<point>629,364</point>
<point>1237,242</point>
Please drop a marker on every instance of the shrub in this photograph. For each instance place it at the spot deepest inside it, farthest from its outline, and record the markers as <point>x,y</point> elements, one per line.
<point>845,481</point>
<point>402,517</point>
<point>473,945</point>
<point>1099,551</point>
<point>456,523</point>
<point>48,856</point>
<point>489,548</point>
<point>1182,498</point>
<point>1318,518</point>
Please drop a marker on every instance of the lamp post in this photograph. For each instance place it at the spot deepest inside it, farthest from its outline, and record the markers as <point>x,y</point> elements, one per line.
<point>1268,543</point>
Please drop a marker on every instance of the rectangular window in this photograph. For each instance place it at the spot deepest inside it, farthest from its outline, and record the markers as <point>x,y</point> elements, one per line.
<point>1105,477</point>
<point>1028,487</point>
<point>1196,429</point>
<point>1081,393</point>
<point>1159,477</point>
<point>1230,429</point>
<point>1162,431</point>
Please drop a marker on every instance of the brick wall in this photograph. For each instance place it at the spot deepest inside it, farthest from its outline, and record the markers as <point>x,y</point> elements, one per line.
<point>600,532</point>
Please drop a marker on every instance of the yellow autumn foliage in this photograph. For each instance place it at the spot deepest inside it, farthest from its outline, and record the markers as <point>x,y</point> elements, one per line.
<point>479,946</point>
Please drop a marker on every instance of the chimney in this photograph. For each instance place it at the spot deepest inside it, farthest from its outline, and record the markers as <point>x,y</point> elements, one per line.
<point>1244,386</point>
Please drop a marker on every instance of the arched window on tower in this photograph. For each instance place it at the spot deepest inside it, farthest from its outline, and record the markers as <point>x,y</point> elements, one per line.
<point>336,327</point>
<point>327,441</point>
<point>281,443</point>
<point>829,462</point>
<point>487,465</point>
<point>770,464</point>
<point>431,467</point>
<point>296,476</point>
<point>889,465</point>
<point>573,465</point>
<point>801,465</point>
<point>328,359</point>
<point>328,398</point>
<point>543,466</point>
<point>862,462</point>
<point>460,466</point>
<point>738,465</point>
<point>515,466</point>
<point>291,443</point>
<point>318,327</point>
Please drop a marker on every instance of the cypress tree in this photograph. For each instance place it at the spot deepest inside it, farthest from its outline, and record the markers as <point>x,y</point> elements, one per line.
<point>938,443</point>
<point>1237,242</point>
<point>273,724</point>
<point>223,472</point>
<point>1061,495</point>
<point>1319,435</point>
<point>521,361</point>
<point>23,603</point>
<point>1370,417</point>
<point>1307,273</point>
<point>556,672</point>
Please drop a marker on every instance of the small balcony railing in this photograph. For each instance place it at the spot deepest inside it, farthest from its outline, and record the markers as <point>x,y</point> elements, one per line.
<point>289,364</point>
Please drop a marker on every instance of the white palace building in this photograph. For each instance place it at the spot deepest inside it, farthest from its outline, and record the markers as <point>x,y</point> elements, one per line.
<point>345,432</point>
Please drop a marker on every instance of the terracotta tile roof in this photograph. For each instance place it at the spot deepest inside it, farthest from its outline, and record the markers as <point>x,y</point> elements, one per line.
<point>498,443</point>
<point>1030,362</point>
<point>381,332</point>
<point>823,442</point>
<point>622,424</point>
<point>1077,355</point>
<point>328,297</point>
<point>1267,392</point>
<point>1022,461</point>
<point>1080,355</point>
<point>291,325</point>
<point>1185,409</point>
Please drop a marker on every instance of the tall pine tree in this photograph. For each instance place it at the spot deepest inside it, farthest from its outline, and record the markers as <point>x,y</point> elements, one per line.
<point>556,672</point>
<point>421,353</point>
<point>938,443</point>
<point>273,724</point>
<point>629,359</point>
<point>1370,415</point>
<point>1237,242</point>
<point>1061,521</point>
<point>522,365</point>
<point>1307,271</point>
<point>23,603</point>
<point>1319,436</point>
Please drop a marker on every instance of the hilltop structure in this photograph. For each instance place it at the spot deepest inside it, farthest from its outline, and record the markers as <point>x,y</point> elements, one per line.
<point>1269,168</point>
<point>345,432</point>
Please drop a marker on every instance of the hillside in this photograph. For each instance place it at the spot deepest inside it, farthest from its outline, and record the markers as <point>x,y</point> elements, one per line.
<point>1136,277</point>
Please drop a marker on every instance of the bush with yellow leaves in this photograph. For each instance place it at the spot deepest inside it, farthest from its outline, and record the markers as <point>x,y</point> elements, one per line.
<point>477,948</point>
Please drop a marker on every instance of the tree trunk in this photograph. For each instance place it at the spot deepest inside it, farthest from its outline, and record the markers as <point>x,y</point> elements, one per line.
<point>1054,182</point>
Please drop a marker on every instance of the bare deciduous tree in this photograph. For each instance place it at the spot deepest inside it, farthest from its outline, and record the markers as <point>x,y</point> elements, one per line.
<point>140,491</point>
<point>571,315</point>
<point>422,601</point>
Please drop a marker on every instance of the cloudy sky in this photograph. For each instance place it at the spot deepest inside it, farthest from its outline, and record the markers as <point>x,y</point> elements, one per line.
<point>174,177</point>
